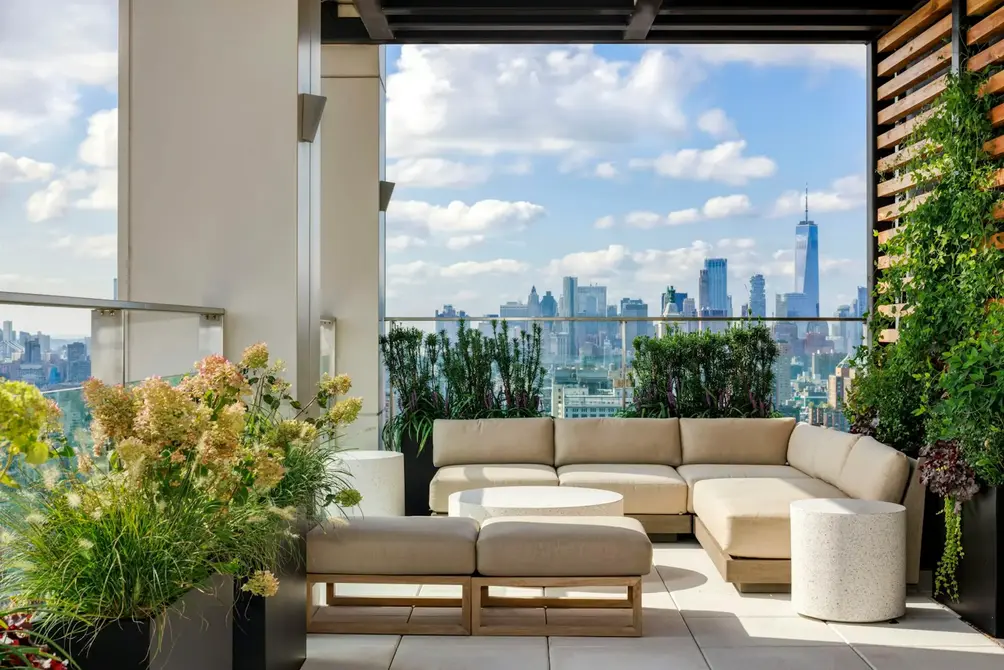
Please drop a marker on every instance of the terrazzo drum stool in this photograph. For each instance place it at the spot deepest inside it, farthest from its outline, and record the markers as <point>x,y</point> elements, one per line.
<point>848,560</point>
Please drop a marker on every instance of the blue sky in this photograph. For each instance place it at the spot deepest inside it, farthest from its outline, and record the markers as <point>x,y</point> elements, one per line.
<point>740,131</point>
<point>515,165</point>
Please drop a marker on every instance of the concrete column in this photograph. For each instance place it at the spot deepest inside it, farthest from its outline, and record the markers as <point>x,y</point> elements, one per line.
<point>219,202</point>
<point>352,226</point>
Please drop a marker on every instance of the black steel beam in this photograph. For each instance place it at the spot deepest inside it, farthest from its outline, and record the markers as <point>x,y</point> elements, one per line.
<point>958,39</point>
<point>407,36</point>
<point>374,20</point>
<point>644,15</point>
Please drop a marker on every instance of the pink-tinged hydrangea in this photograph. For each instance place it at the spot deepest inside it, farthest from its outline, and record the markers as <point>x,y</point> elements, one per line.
<point>336,386</point>
<point>268,471</point>
<point>168,417</point>
<point>344,412</point>
<point>221,441</point>
<point>113,411</point>
<point>222,376</point>
<point>255,357</point>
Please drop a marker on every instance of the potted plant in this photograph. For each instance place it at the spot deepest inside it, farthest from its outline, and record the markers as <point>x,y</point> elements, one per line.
<point>474,377</point>
<point>171,512</point>
<point>270,632</point>
<point>704,374</point>
<point>414,366</point>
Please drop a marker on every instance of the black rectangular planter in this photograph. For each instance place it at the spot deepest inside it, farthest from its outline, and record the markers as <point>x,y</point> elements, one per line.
<point>981,571</point>
<point>195,634</point>
<point>418,473</point>
<point>271,633</point>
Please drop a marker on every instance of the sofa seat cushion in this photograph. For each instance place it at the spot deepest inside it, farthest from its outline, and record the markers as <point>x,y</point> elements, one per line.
<point>749,518</point>
<point>696,473</point>
<point>573,546</point>
<point>454,478</point>
<point>647,489</point>
<point>409,545</point>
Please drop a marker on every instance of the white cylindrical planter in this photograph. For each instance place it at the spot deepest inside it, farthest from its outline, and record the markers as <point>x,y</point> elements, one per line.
<point>379,477</point>
<point>848,559</point>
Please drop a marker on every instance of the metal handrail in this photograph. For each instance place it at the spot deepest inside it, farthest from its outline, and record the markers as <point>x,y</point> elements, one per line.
<point>618,319</point>
<point>73,302</point>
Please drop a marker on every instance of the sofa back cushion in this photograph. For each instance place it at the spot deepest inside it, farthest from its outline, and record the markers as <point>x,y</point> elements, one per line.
<point>481,441</point>
<point>636,441</point>
<point>874,471</point>
<point>736,441</point>
<point>820,452</point>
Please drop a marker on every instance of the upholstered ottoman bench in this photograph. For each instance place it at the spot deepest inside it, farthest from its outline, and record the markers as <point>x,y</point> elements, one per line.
<point>543,551</point>
<point>391,550</point>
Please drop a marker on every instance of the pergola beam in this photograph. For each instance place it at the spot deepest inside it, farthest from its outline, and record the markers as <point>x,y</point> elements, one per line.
<point>374,20</point>
<point>644,15</point>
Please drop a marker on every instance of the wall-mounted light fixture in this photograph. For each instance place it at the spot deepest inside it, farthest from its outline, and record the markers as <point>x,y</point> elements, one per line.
<point>311,108</point>
<point>386,191</point>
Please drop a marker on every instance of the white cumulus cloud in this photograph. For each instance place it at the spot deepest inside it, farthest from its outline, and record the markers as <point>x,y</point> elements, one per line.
<point>402,242</point>
<point>94,246</point>
<point>724,163</point>
<point>464,242</point>
<point>715,122</point>
<point>101,146</point>
<point>529,99</point>
<point>605,222</point>
<point>844,194</point>
<point>436,173</point>
<point>605,170</point>
<point>23,169</point>
<point>723,207</point>
<point>459,217</point>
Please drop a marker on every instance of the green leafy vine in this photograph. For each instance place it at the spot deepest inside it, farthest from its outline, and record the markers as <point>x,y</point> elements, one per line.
<point>941,386</point>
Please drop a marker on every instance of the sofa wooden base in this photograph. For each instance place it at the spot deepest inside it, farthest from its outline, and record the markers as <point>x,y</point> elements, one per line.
<point>461,627</point>
<point>746,573</point>
<point>482,600</point>
<point>665,524</point>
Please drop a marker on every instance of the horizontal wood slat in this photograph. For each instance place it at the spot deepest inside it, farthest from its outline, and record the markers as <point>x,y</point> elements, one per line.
<point>893,137</point>
<point>913,24</point>
<point>903,156</point>
<point>885,286</point>
<point>887,235</point>
<point>999,178</point>
<point>989,27</point>
<point>939,60</point>
<point>886,262</point>
<point>911,103</point>
<point>981,6</point>
<point>994,84</point>
<point>990,56</point>
<point>997,239</point>
<point>898,309</point>
<point>896,210</point>
<point>904,182</point>
<point>889,335</point>
<point>997,115</point>
<point>918,46</point>
<point>995,147</point>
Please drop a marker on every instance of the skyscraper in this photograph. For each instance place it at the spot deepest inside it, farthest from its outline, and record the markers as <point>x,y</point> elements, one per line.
<point>451,327</point>
<point>758,297</point>
<point>633,329</point>
<point>569,308</point>
<point>717,284</point>
<point>674,296</point>
<point>807,262</point>
<point>8,331</point>
<point>703,290</point>
<point>533,303</point>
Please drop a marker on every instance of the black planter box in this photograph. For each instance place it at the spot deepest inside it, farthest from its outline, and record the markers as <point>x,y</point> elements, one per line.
<point>418,473</point>
<point>271,633</point>
<point>195,634</point>
<point>981,571</point>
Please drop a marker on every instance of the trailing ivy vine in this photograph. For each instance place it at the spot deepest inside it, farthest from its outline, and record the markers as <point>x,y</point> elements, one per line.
<point>942,383</point>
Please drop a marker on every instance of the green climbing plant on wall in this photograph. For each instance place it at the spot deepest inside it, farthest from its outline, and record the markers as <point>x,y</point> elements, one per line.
<point>942,383</point>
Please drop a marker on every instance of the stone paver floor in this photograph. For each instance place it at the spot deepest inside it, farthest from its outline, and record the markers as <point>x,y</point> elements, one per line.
<point>693,621</point>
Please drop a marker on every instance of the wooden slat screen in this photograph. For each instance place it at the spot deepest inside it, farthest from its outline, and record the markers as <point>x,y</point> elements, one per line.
<point>979,7</point>
<point>917,57</point>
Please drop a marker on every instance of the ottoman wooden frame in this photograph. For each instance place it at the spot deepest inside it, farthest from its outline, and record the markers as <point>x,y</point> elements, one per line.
<point>461,627</point>
<point>483,600</point>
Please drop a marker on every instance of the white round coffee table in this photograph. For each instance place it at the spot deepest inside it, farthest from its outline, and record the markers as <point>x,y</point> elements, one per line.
<point>848,559</point>
<point>481,504</point>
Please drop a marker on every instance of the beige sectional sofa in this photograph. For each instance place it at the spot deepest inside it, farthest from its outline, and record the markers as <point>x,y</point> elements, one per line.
<point>729,481</point>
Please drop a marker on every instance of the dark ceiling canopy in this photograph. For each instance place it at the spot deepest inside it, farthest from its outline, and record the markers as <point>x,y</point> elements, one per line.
<point>608,21</point>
